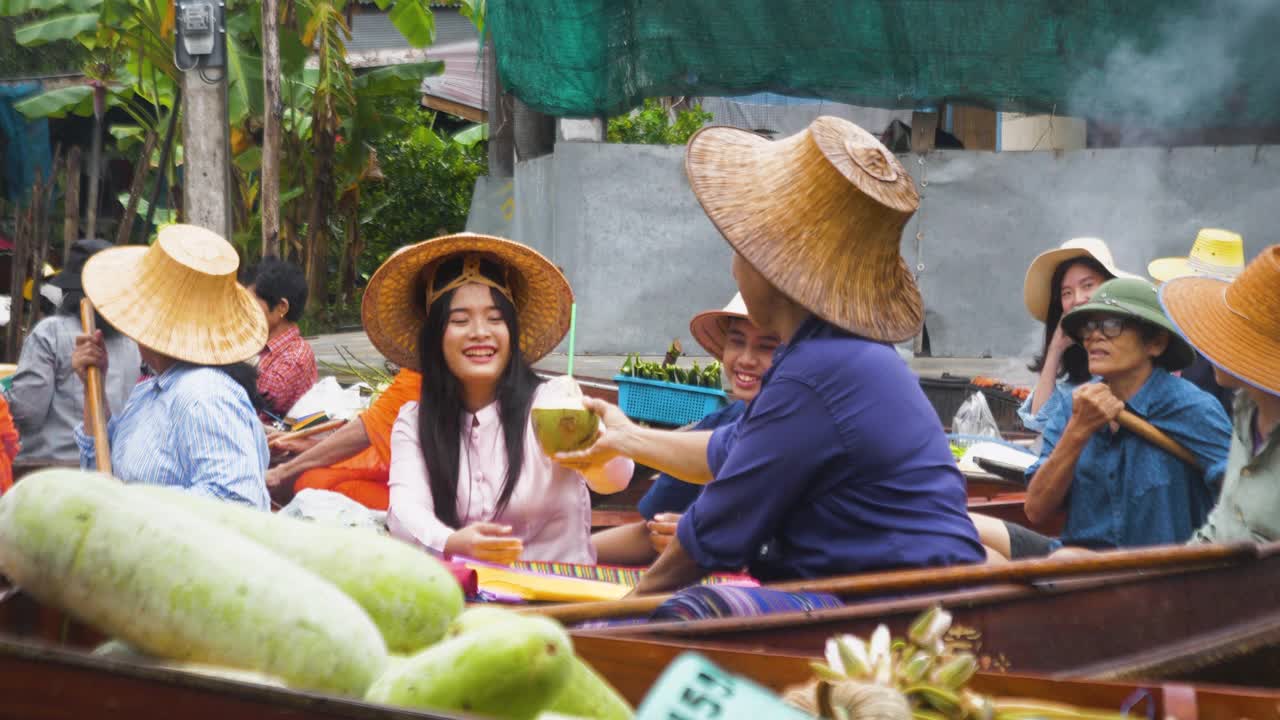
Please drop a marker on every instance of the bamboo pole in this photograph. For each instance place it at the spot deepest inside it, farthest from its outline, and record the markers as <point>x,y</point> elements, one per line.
<point>93,397</point>
<point>1155,436</point>
<point>927,579</point>
<point>17,278</point>
<point>71,218</point>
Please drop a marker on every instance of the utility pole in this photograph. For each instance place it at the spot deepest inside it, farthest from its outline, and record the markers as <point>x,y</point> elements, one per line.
<point>201,53</point>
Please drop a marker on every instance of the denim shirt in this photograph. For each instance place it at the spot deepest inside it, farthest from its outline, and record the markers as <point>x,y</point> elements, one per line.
<point>673,495</point>
<point>840,465</point>
<point>1037,421</point>
<point>1127,492</point>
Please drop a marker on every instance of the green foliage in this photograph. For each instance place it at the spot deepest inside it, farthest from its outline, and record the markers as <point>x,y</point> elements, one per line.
<point>428,186</point>
<point>52,58</point>
<point>652,125</point>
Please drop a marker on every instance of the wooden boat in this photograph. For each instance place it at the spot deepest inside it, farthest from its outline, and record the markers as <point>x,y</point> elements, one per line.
<point>1204,619</point>
<point>65,683</point>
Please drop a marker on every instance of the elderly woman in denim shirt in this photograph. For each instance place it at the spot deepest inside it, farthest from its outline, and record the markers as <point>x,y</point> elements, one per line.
<point>1117,489</point>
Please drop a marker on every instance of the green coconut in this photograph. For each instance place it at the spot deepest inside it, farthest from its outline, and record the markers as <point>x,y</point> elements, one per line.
<point>560,421</point>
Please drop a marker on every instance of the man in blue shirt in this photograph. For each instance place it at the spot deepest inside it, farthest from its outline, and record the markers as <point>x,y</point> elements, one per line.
<point>839,465</point>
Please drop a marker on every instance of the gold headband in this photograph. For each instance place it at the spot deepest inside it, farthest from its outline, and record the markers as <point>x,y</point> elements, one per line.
<point>470,274</point>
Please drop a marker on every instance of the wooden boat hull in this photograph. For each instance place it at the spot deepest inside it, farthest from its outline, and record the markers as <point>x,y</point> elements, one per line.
<point>1216,623</point>
<point>61,683</point>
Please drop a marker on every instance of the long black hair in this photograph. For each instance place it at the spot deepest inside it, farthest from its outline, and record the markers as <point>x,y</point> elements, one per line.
<point>1075,361</point>
<point>441,410</point>
<point>70,305</point>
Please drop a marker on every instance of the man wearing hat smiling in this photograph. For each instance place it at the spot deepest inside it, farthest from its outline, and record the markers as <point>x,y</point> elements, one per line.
<point>193,425</point>
<point>839,465</point>
<point>1236,325</point>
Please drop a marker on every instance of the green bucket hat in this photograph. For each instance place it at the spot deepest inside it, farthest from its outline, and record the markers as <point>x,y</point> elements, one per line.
<point>1137,299</point>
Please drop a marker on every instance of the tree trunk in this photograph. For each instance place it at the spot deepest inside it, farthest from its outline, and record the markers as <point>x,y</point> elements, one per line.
<point>17,277</point>
<point>71,218</point>
<point>95,173</point>
<point>317,247</point>
<point>125,232</point>
<point>272,116</point>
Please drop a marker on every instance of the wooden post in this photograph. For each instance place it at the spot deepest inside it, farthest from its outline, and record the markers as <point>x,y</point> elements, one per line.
<point>71,219</point>
<point>95,169</point>
<point>206,187</point>
<point>924,129</point>
<point>125,232</point>
<point>501,127</point>
<point>273,112</point>
<point>42,197</point>
<point>17,277</point>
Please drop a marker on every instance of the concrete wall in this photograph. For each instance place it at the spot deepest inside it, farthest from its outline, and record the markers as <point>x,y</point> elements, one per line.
<point>643,258</point>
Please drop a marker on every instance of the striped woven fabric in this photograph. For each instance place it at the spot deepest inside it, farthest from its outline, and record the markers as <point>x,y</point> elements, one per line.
<point>704,601</point>
<point>619,574</point>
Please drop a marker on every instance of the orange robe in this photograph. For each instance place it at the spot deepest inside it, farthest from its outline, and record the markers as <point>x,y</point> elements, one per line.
<point>9,446</point>
<point>363,476</point>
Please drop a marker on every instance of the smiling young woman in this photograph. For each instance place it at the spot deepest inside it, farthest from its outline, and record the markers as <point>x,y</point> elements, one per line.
<point>467,477</point>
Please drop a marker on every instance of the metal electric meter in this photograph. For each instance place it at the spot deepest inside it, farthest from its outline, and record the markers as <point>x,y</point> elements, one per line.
<point>201,30</point>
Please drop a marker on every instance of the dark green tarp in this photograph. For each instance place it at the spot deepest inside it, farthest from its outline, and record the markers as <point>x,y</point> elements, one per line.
<point>1174,63</point>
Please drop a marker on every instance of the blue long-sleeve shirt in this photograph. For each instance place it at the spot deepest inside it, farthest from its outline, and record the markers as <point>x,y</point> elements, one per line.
<point>673,495</point>
<point>1126,492</point>
<point>840,465</point>
<point>191,427</point>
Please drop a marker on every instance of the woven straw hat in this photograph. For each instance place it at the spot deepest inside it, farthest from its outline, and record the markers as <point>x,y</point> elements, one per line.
<point>820,215</point>
<point>1216,254</point>
<point>1036,290</point>
<point>711,328</point>
<point>394,306</point>
<point>178,296</point>
<point>1236,325</point>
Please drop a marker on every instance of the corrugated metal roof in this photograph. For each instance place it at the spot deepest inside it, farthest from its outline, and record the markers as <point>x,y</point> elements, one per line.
<point>374,31</point>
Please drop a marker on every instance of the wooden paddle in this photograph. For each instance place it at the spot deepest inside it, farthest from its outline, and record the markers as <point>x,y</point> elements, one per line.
<point>305,432</point>
<point>1155,436</point>
<point>926,579</point>
<point>93,397</point>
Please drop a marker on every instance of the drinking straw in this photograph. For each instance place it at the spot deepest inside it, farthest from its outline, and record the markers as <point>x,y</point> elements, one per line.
<point>573,331</point>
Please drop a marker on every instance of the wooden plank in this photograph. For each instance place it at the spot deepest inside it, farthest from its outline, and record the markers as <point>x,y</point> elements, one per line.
<point>924,129</point>
<point>71,190</point>
<point>975,127</point>
<point>455,108</point>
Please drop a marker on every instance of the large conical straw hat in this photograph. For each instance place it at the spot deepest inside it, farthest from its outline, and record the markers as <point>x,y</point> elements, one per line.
<point>178,297</point>
<point>1236,324</point>
<point>394,306</point>
<point>820,215</point>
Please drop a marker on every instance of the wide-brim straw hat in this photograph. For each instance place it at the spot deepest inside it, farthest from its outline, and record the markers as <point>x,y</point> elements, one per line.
<point>820,215</point>
<point>1215,254</point>
<point>711,328</point>
<point>1235,325</point>
<point>178,297</point>
<point>394,307</point>
<point>1035,289</point>
<point>1136,299</point>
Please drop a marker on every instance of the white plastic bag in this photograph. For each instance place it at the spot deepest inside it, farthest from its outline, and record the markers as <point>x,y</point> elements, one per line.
<point>334,509</point>
<point>974,418</point>
<point>332,399</point>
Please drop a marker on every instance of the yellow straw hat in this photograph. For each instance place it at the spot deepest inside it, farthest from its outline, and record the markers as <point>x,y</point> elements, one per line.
<point>1036,290</point>
<point>395,301</point>
<point>178,297</point>
<point>1216,254</point>
<point>711,328</point>
<point>1236,324</point>
<point>820,215</point>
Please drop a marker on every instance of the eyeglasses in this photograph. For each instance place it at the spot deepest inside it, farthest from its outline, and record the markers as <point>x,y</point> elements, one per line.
<point>1111,327</point>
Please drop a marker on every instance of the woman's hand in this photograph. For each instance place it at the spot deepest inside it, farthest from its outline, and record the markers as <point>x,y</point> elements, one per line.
<point>1060,342</point>
<point>661,529</point>
<point>485,541</point>
<point>1093,406</point>
<point>90,351</point>
<point>610,442</point>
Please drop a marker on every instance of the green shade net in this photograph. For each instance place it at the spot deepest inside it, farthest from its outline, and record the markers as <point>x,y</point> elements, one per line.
<point>1173,63</point>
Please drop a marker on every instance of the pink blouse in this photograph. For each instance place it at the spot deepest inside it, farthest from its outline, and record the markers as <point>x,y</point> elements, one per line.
<point>549,510</point>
